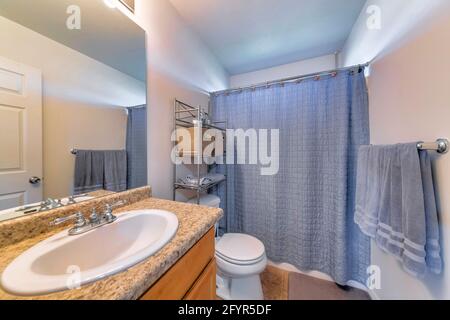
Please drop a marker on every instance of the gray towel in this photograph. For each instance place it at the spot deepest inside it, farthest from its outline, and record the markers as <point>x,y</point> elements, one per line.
<point>100,170</point>
<point>115,171</point>
<point>89,171</point>
<point>396,205</point>
<point>433,248</point>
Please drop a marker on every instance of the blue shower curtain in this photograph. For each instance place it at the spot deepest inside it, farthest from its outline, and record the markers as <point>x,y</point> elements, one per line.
<point>303,214</point>
<point>137,147</point>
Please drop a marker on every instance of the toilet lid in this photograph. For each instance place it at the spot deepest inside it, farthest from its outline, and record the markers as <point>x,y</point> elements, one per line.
<point>240,247</point>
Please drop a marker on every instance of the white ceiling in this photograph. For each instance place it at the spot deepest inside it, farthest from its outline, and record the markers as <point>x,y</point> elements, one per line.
<point>106,35</point>
<point>249,35</point>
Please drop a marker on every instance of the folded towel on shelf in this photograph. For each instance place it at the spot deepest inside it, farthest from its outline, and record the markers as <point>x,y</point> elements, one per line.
<point>194,182</point>
<point>396,205</point>
<point>203,181</point>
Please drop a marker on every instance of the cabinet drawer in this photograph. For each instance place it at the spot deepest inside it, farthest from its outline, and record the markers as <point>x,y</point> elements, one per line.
<point>176,282</point>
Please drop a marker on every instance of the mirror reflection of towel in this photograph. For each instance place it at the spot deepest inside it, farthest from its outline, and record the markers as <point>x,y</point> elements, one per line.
<point>100,170</point>
<point>115,173</point>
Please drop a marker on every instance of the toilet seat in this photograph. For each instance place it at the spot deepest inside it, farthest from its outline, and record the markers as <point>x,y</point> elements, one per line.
<point>240,249</point>
<point>238,262</point>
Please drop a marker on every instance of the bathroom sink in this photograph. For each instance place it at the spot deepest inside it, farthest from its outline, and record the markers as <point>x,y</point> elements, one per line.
<point>64,262</point>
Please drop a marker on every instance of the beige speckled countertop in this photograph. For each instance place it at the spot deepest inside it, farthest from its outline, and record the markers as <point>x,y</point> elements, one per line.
<point>194,222</point>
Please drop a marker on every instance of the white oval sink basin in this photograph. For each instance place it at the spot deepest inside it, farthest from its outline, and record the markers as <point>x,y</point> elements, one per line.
<point>64,262</point>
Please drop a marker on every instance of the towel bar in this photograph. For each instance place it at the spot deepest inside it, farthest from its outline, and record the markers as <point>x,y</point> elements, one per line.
<point>441,146</point>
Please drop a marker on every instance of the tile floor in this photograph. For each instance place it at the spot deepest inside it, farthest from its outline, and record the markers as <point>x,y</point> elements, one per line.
<point>284,285</point>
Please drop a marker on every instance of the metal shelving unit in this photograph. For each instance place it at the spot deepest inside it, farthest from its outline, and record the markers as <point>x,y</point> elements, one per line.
<point>186,116</point>
<point>201,189</point>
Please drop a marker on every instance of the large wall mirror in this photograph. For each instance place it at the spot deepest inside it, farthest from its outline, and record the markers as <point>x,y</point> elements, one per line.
<point>72,104</point>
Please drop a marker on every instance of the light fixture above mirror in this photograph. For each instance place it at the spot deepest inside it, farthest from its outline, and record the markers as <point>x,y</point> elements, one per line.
<point>129,4</point>
<point>111,3</point>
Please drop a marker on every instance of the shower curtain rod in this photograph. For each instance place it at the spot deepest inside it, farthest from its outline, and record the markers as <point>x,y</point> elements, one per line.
<point>293,79</point>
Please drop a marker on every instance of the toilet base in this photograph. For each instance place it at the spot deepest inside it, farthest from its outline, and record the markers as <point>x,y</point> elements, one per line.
<point>246,288</point>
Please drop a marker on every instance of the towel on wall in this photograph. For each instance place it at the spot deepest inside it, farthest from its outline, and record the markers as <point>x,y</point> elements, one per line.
<point>396,205</point>
<point>100,170</point>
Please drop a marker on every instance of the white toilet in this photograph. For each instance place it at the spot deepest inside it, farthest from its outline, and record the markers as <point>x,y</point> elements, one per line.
<point>240,260</point>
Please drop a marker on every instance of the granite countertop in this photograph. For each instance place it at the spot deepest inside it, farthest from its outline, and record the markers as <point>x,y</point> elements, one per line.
<point>100,193</point>
<point>194,222</point>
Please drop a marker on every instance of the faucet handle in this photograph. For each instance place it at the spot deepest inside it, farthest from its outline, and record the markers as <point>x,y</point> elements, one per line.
<point>110,207</point>
<point>79,217</point>
<point>109,217</point>
<point>71,200</point>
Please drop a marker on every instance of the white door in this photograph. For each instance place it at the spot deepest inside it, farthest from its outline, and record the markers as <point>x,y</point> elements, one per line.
<point>20,134</point>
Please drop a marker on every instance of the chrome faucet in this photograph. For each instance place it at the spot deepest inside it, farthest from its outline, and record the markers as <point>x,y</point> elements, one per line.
<point>42,206</point>
<point>82,225</point>
<point>50,204</point>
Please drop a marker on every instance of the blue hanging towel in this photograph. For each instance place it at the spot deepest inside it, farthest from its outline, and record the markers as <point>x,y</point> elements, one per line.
<point>396,205</point>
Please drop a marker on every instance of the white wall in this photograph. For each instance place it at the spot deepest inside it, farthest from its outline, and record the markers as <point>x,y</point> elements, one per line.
<point>179,66</point>
<point>175,50</point>
<point>409,101</point>
<point>302,67</point>
<point>81,97</point>
<point>401,20</point>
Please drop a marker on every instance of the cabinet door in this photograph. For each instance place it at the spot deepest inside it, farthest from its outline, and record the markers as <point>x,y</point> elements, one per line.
<point>205,287</point>
<point>181,277</point>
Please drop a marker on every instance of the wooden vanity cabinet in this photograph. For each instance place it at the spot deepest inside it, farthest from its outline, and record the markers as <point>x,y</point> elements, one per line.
<point>193,277</point>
